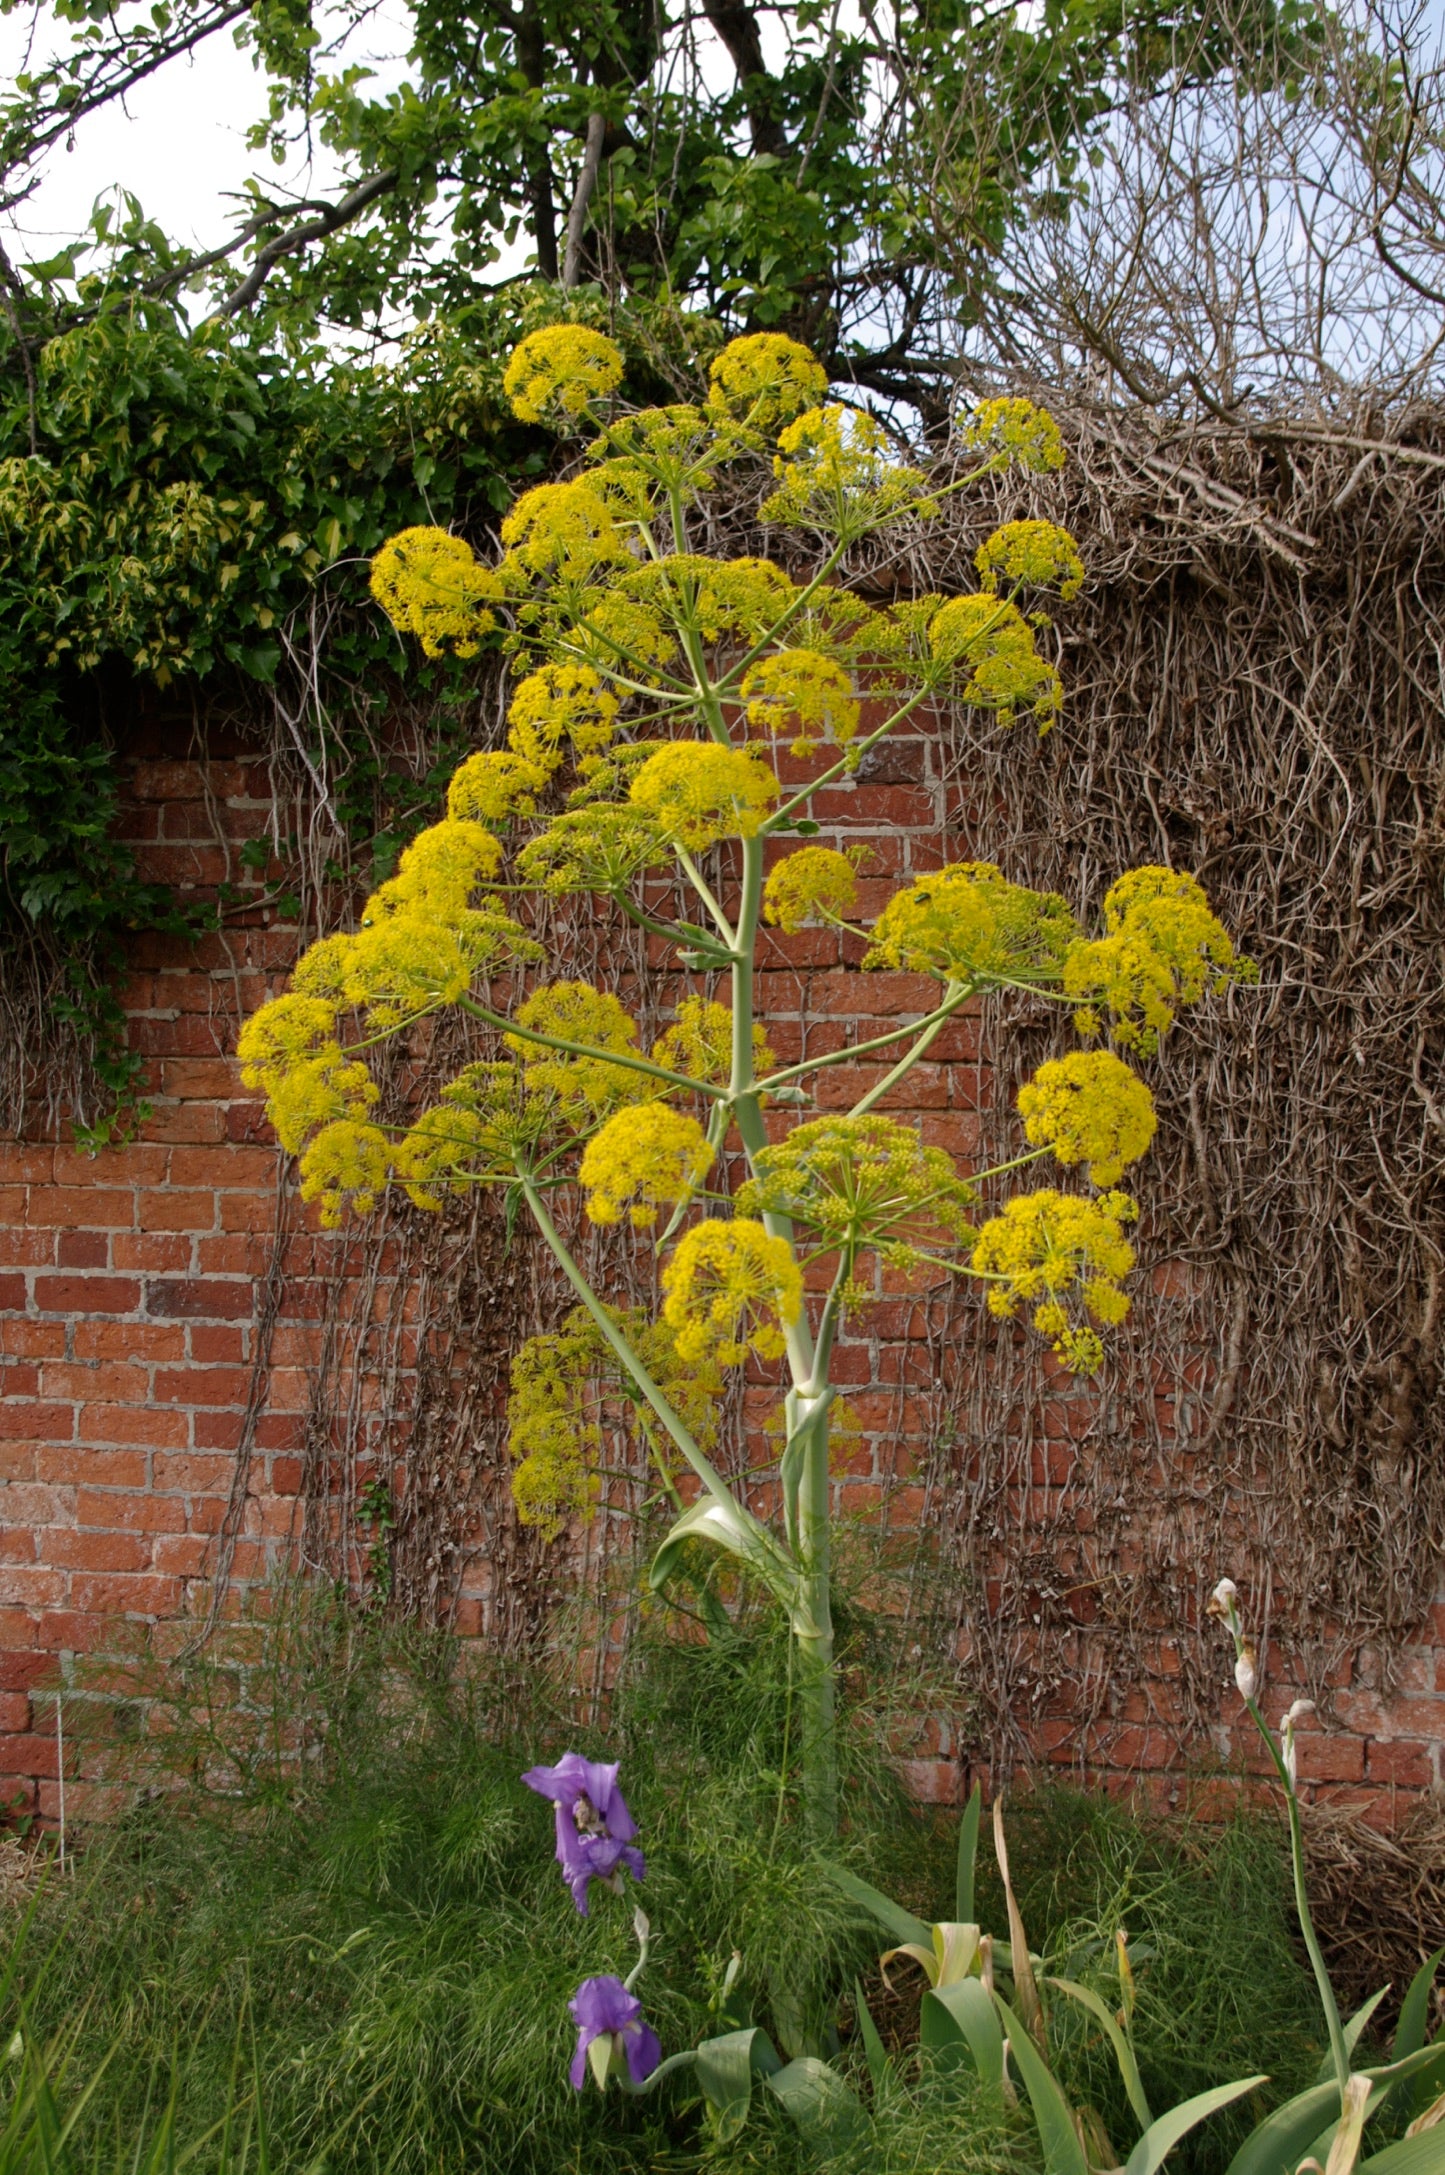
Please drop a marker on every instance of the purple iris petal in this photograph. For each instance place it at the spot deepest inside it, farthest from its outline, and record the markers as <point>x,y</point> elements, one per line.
<point>603,2007</point>
<point>594,1826</point>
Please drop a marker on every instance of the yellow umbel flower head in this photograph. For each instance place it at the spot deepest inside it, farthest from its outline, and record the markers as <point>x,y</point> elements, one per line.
<point>495,785</point>
<point>568,1390</point>
<point>730,1289</point>
<point>644,1159</point>
<point>698,793</point>
<point>1016,428</point>
<point>591,849</point>
<point>439,872</point>
<point>1051,1248</point>
<point>763,380</point>
<point>1036,554</point>
<point>838,473</point>
<point>429,584</point>
<point>560,703</point>
<point>1089,1108</point>
<point>619,633</point>
<point>715,597</point>
<point>993,646</point>
<point>448,1150</point>
<point>700,1043</point>
<point>563,527</point>
<point>1164,948</point>
<point>557,374</point>
<point>585,1087</point>
<point>862,1181</point>
<point>346,1166</point>
<point>799,691</point>
<point>289,1049</point>
<point>814,880</point>
<point>969,924</point>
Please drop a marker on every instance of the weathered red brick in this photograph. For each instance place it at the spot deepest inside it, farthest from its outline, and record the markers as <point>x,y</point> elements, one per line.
<point>87,1294</point>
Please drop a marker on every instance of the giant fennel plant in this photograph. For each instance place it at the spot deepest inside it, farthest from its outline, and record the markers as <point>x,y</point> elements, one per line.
<point>674,715</point>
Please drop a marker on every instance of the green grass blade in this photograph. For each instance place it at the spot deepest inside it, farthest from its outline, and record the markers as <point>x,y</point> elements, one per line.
<point>1063,2154</point>
<point>967,1857</point>
<point>1164,2134</point>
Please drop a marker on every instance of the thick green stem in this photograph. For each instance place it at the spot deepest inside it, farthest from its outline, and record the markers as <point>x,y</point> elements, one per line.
<point>807,1407</point>
<point>813,1630</point>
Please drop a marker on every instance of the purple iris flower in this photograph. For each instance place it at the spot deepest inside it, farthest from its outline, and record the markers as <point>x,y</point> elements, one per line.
<point>594,1827</point>
<point>601,2007</point>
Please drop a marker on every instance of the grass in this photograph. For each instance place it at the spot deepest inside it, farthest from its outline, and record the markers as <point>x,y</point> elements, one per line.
<point>337,1939</point>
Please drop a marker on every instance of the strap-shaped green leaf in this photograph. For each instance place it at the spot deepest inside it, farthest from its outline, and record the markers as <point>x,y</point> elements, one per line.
<point>900,1924</point>
<point>1352,2031</point>
<point>727,1525</point>
<point>874,2051</point>
<point>1164,2134</point>
<point>1423,2154</point>
<point>962,2018</point>
<point>726,2067</point>
<point>1415,2008</point>
<point>1278,2144</point>
<point>1063,2154</point>
<point>819,2102</point>
<point>1118,2039</point>
<point>963,1910</point>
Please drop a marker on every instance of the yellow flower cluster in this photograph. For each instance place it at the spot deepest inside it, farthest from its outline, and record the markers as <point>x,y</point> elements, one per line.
<point>289,1049</point>
<point>462,1140</point>
<point>583,1088</point>
<point>1163,948</point>
<point>730,1289</point>
<point>700,1043</point>
<point>557,374</point>
<point>1027,434</point>
<point>715,597</point>
<point>561,702</point>
<point>643,1159</point>
<point>346,1166</point>
<point>862,1181</point>
<point>1089,1108</point>
<point>1033,553</point>
<point>996,645</point>
<point>494,786</point>
<point>763,380</point>
<point>618,632</point>
<point>1049,1248</point>
<point>591,849</point>
<point>421,941</point>
<point>562,528</point>
<point>799,691</point>
<point>838,473</point>
<point>967,923</point>
<point>568,1387</point>
<point>429,584</point>
<point>698,792</point>
<point>814,880</point>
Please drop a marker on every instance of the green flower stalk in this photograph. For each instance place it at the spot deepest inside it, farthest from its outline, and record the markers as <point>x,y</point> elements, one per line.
<point>657,691</point>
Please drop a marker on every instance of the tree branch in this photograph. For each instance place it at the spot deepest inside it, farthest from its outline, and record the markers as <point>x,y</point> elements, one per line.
<point>582,197</point>
<point>737,26</point>
<point>331,219</point>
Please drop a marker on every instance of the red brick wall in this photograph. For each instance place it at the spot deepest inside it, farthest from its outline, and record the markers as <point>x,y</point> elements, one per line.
<point>130,1284</point>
